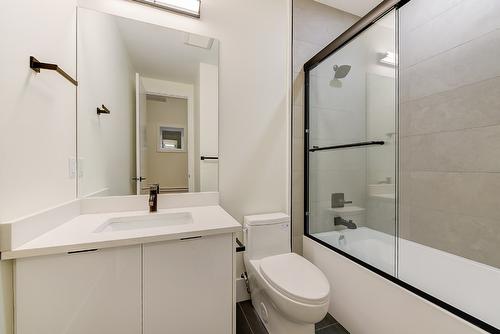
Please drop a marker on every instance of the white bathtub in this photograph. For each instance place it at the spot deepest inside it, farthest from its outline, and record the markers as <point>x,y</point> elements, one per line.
<point>470,286</point>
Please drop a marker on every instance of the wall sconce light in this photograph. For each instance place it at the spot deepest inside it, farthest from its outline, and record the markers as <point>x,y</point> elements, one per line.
<point>186,7</point>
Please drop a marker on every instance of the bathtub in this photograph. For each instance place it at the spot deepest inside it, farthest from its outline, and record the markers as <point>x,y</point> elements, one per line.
<point>470,286</point>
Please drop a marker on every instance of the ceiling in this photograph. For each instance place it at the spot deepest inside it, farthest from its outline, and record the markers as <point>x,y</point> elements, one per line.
<point>160,53</point>
<point>356,7</point>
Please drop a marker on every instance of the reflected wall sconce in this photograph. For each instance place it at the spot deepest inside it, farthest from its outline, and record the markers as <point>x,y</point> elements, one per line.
<point>388,58</point>
<point>186,7</point>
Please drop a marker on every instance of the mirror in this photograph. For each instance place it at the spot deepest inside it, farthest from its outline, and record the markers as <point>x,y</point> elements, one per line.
<point>147,108</point>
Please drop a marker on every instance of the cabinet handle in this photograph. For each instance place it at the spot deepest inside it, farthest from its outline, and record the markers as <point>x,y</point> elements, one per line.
<point>189,238</point>
<point>83,251</point>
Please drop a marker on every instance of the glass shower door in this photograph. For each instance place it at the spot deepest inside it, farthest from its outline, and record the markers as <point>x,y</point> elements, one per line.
<point>351,147</point>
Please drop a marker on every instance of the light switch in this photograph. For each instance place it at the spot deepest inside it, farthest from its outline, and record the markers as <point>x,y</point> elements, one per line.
<point>72,167</point>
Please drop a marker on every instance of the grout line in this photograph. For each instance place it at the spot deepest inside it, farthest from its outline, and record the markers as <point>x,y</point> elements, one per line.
<point>246,319</point>
<point>421,24</point>
<point>437,132</point>
<point>495,30</point>
<point>435,171</point>
<point>338,325</point>
<point>448,91</point>
<point>335,322</point>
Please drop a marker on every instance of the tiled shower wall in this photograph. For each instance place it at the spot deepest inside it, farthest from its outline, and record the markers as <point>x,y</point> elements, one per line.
<point>450,126</point>
<point>314,26</point>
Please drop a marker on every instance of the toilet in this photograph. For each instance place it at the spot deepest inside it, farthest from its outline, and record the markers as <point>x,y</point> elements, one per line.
<point>289,293</point>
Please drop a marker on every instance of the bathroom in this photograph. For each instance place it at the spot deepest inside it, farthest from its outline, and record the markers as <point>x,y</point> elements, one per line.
<point>234,166</point>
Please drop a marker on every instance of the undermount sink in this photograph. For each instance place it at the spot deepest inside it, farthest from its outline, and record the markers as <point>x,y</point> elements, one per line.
<point>145,221</point>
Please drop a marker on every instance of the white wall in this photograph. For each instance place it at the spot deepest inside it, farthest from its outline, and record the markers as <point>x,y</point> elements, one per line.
<point>364,302</point>
<point>106,143</point>
<point>37,119</point>
<point>37,116</point>
<point>208,127</point>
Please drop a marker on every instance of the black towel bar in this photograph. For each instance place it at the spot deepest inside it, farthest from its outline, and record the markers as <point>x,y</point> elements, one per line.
<point>35,65</point>
<point>208,158</point>
<point>336,147</point>
<point>104,110</point>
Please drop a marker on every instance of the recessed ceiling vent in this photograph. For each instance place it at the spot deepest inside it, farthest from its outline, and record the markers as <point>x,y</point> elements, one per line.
<point>199,41</point>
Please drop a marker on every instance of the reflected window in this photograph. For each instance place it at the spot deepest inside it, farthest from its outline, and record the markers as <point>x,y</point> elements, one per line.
<point>171,139</point>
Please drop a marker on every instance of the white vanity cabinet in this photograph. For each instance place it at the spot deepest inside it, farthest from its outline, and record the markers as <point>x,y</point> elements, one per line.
<point>80,293</point>
<point>178,286</point>
<point>188,286</point>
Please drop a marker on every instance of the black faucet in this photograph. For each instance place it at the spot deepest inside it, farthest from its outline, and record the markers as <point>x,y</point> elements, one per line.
<point>154,190</point>
<point>347,223</point>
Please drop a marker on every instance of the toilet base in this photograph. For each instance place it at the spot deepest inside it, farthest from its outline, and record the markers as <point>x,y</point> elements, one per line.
<point>272,319</point>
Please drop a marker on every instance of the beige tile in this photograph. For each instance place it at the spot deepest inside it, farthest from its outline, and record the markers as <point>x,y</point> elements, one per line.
<point>475,238</point>
<point>469,106</point>
<point>298,154</point>
<point>298,121</point>
<point>302,52</point>
<point>297,244</point>
<point>418,13</point>
<point>298,89</point>
<point>469,63</point>
<point>318,23</point>
<point>471,194</point>
<point>471,150</point>
<point>297,185</point>
<point>458,25</point>
<point>404,221</point>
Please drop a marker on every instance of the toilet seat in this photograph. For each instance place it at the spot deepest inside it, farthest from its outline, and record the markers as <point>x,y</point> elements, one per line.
<point>296,278</point>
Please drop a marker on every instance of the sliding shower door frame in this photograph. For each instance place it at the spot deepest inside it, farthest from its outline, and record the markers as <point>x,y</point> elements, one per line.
<point>364,23</point>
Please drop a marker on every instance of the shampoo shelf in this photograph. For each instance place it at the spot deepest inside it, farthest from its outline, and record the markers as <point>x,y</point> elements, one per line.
<point>35,65</point>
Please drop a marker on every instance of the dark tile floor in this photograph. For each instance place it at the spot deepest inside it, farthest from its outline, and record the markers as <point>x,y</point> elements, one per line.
<point>248,322</point>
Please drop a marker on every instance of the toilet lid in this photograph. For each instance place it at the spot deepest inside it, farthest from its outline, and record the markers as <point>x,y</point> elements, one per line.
<point>296,278</point>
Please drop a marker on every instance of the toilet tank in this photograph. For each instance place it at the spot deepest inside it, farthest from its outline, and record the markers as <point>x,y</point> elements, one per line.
<point>266,235</point>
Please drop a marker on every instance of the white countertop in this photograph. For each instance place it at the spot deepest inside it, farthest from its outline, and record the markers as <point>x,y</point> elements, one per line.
<point>79,233</point>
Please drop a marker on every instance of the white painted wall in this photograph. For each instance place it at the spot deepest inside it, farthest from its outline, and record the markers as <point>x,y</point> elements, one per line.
<point>106,143</point>
<point>364,302</point>
<point>208,127</point>
<point>37,116</point>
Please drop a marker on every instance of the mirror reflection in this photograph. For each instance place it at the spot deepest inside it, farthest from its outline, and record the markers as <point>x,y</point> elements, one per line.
<point>147,108</point>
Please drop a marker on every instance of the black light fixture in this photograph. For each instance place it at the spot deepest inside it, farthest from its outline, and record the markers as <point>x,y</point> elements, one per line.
<point>186,7</point>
